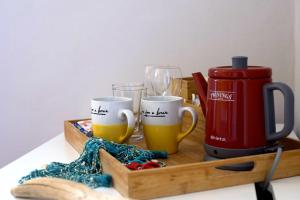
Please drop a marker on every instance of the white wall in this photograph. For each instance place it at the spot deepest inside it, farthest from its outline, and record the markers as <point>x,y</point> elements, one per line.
<point>56,55</point>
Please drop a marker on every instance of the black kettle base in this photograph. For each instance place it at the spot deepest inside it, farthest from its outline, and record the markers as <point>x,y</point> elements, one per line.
<point>247,166</point>
<point>229,153</point>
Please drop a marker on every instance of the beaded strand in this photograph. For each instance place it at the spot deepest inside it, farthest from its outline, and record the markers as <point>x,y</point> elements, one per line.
<point>87,169</point>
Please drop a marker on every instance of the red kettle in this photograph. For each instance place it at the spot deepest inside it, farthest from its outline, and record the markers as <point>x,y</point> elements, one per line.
<point>238,105</point>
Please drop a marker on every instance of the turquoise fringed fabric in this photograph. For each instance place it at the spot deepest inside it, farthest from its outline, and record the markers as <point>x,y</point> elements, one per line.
<point>87,168</point>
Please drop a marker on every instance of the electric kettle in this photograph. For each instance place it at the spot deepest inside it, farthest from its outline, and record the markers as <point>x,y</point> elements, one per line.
<point>238,106</point>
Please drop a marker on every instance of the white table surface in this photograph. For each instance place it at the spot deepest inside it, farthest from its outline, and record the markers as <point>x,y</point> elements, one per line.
<point>57,149</point>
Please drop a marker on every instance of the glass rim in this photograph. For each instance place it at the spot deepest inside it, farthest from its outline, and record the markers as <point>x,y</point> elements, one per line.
<point>164,66</point>
<point>131,89</point>
<point>128,86</point>
<point>111,99</point>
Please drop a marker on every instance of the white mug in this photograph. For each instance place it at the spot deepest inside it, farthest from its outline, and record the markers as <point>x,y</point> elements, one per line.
<point>162,121</point>
<point>109,118</point>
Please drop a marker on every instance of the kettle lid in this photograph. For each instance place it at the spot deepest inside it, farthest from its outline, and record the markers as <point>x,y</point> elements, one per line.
<point>240,69</point>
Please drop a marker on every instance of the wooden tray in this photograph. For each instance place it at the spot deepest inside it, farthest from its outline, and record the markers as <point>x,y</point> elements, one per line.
<point>186,171</point>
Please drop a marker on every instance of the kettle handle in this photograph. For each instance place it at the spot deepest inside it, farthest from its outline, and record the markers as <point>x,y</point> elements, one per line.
<point>201,87</point>
<point>288,95</point>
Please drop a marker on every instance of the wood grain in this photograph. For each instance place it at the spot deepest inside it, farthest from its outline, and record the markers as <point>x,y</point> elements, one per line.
<point>187,87</point>
<point>74,136</point>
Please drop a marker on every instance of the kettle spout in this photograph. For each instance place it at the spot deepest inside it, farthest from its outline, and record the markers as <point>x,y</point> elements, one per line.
<point>201,87</point>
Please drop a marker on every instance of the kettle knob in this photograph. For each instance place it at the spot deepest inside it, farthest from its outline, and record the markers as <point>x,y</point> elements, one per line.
<point>239,62</point>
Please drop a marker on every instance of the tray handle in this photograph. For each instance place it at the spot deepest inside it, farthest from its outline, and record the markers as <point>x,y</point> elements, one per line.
<point>244,166</point>
<point>251,166</point>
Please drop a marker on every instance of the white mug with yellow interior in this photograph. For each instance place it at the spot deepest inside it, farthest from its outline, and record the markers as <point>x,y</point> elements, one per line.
<point>112,118</point>
<point>162,122</point>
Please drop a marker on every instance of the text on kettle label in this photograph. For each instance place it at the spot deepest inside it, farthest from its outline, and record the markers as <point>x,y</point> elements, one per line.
<point>221,139</point>
<point>221,95</point>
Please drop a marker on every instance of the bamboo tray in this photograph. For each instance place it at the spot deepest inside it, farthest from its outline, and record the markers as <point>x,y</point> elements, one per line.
<point>186,171</point>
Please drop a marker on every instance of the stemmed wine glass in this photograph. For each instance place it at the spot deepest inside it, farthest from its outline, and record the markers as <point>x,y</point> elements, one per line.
<point>149,71</point>
<point>165,80</point>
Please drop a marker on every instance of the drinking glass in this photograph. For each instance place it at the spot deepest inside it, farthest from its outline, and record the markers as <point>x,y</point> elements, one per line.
<point>135,91</point>
<point>149,72</point>
<point>166,80</point>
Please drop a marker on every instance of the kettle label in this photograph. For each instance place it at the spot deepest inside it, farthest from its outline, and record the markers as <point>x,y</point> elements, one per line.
<point>221,95</point>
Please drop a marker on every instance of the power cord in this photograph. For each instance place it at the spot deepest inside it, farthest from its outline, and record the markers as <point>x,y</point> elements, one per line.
<point>262,187</point>
<point>268,178</point>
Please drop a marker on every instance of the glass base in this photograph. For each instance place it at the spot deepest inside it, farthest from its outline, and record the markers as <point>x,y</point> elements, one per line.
<point>136,137</point>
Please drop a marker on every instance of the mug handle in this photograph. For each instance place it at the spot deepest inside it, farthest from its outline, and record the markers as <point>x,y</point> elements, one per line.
<point>194,122</point>
<point>130,125</point>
